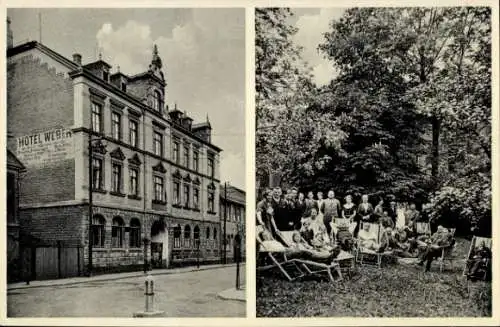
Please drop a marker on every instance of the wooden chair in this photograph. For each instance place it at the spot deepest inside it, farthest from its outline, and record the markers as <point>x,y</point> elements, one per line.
<point>448,253</point>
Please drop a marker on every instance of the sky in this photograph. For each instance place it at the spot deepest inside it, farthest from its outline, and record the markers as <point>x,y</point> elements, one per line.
<point>312,23</point>
<point>202,50</point>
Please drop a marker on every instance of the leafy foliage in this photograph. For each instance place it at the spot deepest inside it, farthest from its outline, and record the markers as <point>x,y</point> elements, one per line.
<point>413,84</point>
<point>394,291</point>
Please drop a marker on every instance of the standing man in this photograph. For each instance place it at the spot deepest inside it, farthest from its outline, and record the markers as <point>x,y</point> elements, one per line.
<point>393,211</point>
<point>280,210</point>
<point>331,209</point>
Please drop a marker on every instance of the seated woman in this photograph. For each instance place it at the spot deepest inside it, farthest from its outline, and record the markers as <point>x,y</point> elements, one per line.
<point>314,232</point>
<point>300,245</point>
<point>478,261</point>
<point>368,240</point>
<point>386,221</point>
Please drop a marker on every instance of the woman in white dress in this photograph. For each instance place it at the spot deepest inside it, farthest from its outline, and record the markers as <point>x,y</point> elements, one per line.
<point>400,218</point>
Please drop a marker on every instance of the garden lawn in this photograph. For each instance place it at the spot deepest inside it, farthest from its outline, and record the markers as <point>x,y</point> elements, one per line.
<point>396,290</point>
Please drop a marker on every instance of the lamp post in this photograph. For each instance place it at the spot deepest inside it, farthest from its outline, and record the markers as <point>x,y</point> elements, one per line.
<point>224,242</point>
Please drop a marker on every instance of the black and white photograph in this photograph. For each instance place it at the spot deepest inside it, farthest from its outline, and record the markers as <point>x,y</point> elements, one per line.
<point>125,162</point>
<point>373,162</point>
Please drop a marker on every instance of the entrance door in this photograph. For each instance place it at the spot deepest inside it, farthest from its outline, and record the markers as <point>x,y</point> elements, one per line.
<point>156,255</point>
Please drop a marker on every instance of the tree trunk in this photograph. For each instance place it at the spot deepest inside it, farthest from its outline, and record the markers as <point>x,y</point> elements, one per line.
<point>436,130</point>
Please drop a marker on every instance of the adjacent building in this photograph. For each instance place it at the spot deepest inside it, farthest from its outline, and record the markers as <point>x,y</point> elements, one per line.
<point>232,213</point>
<point>152,172</point>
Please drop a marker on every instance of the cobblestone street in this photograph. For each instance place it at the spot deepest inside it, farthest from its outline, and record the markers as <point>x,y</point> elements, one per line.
<point>183,294</point>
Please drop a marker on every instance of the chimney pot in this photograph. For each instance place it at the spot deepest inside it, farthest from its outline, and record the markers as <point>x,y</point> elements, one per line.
<point>77,59</point>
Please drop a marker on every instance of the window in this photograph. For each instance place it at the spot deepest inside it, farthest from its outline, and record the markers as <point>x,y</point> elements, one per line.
<point>215,233</point>
<point>98,223</point>
<point>210,200</point>
<point>186,196</point>
<point>96,117</point>
<point>124,87</point>
<point>211,167</point>
<point>134,182</point>
<point>187,236</point>
<point>158,144</point>
<point>158,181</point>
<point>134,235</point>
<point>117,232</point>
<point>116,178</point>
<point>132,133</point>
<point>105,76</point>
<point>157,101</point>
<point>97,180</point>
<point>196,198</point>
<point>186,156</point>
<point>177,193</point>
<point>196,159</point>
<point>196,235</point>
<point>175,154</point>
<point>177,236</point>
<point>208,233</point>
<point>116,127</point>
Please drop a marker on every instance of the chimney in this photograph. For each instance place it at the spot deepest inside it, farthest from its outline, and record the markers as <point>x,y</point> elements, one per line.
<point>77,59</point>
<point>10,38</point>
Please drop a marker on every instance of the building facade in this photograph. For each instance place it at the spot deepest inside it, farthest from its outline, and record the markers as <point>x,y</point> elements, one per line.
<point>152,173</point>
<point>232,211</point>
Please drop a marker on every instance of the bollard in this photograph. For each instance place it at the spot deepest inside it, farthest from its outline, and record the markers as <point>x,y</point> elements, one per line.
<point>149,294</point>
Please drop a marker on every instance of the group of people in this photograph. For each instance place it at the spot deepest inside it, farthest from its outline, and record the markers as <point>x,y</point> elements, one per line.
<point>311,220</point>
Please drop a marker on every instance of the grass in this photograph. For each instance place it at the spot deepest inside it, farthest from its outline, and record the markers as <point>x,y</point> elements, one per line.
<point>397,290</point>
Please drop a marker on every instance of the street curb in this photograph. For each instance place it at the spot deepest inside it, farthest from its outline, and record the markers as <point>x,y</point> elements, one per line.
<point>165,272</point>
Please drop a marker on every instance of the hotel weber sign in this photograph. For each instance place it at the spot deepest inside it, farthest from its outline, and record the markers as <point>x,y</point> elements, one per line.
<point>45,148</point>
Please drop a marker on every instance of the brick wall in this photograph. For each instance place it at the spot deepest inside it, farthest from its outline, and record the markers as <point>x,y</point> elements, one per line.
<point>62,223</point>
<point>40,98</point>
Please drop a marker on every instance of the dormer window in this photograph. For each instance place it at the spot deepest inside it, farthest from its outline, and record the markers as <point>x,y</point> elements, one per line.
<point>157,101</point>
<point>105,76</point>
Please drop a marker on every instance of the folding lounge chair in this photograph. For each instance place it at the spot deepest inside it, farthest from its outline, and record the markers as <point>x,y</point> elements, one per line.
<point>447,252</point>
<point>345,259</point>
<point>361,252</point>
<point>279,259</point>
<point>423,228</point>
<point>477,241</point>
<point>311,266</point>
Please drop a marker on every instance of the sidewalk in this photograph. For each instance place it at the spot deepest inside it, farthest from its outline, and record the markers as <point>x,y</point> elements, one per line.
<point>107,277</point>
<point>233,294</point>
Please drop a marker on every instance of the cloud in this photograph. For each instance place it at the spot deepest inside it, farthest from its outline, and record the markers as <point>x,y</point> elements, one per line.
<point>204,65</point>
<point>310,36</point>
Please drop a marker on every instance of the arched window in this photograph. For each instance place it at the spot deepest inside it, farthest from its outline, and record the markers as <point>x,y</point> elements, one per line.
<point>196,235</point>
<point>117,232</point>
<point>177,236</point>
<point>98,223</point>
<point>187,236</point>
<point>135,233</point>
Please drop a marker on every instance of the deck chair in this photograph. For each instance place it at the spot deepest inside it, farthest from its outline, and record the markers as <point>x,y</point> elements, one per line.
<point>278,257</point>
<point>361,252</point>
<point>310,266</point>
<point>447,252</point>
<point>476,242</point>
<point>423,228</point>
